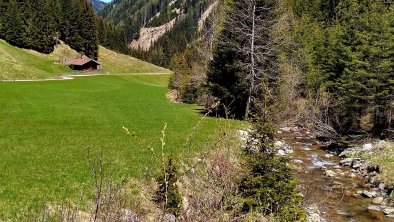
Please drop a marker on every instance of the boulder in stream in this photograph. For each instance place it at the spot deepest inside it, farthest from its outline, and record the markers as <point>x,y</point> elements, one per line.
<point>374,208</point>
<point>367,147</point>
<point>377,200</point>
<point>346,162</point>
<point>330,173</point>
<point>388,210</point>
<point>368,194</point>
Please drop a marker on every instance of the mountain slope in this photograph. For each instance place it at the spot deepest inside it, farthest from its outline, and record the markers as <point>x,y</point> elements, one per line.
<point>136,14</point>
<point>98,5</point>
<point>21,64</point>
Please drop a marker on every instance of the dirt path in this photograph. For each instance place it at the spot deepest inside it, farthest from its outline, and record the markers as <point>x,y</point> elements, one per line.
<point>73,76</point>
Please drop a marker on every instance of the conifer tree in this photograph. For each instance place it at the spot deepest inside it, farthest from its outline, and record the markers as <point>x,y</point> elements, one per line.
<point>14,25</point>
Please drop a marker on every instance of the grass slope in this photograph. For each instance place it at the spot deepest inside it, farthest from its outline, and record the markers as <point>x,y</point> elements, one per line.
<point>21,64</point>
<point>16,63</point>
<point>46,129</point>
<point>112,62</point>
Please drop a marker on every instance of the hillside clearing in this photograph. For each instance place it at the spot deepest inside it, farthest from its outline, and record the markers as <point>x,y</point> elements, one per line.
<point>47,129</point>
<point>25,64</point>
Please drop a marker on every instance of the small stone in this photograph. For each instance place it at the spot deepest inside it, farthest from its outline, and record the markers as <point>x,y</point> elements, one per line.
<point>388,210</point>
<point>377,200</point>
<point>346,162</point>
<point>330,173</point>
<point>281,153</point>
<point>347,193</point>
<point>279,144</point>
<point>367,147</point>
<point>374,208</point>
<point>286,129</point>
<point>368,194</point>
<point>328,156</point>
<point>357,165</point>
<point>337,167</point>
<point>352,175</point>
<point>169,218</point>
<point>289,151</point>
<point>128,215</point>
<point>381,186</point>
<point>298,161</point>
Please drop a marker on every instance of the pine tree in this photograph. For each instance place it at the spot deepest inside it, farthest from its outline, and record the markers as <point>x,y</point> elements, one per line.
<point>15,30</point>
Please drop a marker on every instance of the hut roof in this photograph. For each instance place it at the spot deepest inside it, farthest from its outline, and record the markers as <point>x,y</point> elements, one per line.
<point>81,62</point>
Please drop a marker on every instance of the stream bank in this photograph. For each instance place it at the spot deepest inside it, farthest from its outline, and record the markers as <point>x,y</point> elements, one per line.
<point>334,188</point>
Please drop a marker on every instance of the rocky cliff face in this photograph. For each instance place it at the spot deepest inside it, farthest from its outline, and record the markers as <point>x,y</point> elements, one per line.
<point>97,4</point>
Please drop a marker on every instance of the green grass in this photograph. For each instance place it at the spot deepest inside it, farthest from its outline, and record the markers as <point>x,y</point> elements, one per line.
<point>46,129</point>
<point>21,64</point>
<point>16,63</point>
<point>383,156</point>
<point>112,62</point>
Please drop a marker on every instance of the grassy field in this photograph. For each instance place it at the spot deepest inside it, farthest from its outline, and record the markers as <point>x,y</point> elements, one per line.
<point>16,63</point>
<point>47,128</point>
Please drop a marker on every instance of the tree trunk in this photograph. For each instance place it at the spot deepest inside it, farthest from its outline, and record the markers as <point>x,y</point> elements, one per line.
<point>252,68</point>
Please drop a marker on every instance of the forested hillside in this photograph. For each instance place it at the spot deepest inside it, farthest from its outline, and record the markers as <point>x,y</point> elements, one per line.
<point>326,64</point>
<point>39,24</point>
<point>133,15</point>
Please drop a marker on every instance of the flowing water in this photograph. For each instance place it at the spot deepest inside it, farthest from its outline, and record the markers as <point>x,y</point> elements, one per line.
<point>333,196</point>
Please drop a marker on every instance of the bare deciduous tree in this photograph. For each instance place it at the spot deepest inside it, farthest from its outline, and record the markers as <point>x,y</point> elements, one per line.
<point>251,22</point>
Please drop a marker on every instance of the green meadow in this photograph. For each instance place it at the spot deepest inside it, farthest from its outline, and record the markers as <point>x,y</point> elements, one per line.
<point>49,131</point>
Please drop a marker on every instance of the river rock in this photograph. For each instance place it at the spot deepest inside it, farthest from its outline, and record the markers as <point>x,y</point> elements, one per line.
<point>289,129</point>
<point>375,208</point>
<point>297,161</point>
<point>356,165</point>
<point>381,186</point>
<point>328,156</point>
<point>128,216</point>
<point>330,173</point>
<point>314,214</point>
<point>367,147</point>
<point>368,194</point>
<point>377,200</point>
<point>279,144</point>
<point>388,210</point>
<point>346,162</point>
<point>169,218</point>
<point>281,153</point>
<point>347,193</point>
<point>289,151</point>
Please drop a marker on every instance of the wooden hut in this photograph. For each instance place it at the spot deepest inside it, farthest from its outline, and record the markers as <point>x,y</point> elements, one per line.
<point>83,64</point>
